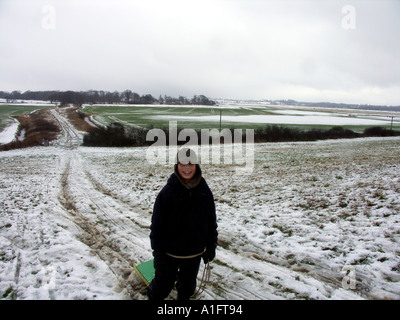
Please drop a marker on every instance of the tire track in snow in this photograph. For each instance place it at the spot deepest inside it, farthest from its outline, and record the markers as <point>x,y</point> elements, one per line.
<point>105,226</point>
<point>71,138</point>
<point>240,276</point>
<point>137,214</point>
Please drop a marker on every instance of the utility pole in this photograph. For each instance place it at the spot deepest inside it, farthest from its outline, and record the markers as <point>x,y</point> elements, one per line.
<point>220,119</point>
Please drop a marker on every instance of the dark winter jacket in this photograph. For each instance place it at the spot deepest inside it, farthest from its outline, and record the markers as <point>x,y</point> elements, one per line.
<point>184,219</point>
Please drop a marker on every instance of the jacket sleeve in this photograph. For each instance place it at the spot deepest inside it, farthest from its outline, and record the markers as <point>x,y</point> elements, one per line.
<point>212,237</point>
<point>157,222</point>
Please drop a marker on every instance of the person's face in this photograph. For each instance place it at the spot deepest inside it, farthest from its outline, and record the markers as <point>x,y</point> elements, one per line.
<point>186,171</point>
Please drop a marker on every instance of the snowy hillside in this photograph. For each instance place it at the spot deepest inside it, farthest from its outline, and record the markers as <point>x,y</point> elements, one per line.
<point>310,217</point>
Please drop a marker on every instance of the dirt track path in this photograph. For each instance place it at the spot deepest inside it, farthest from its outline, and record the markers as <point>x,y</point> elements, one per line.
<point>107,225</point>
<point>70,137</point>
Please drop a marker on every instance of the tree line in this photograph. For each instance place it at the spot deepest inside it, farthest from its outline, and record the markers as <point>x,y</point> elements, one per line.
<point>100,96</point>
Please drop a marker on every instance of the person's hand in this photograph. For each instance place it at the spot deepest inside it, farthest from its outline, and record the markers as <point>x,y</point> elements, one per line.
<point>209,254</point>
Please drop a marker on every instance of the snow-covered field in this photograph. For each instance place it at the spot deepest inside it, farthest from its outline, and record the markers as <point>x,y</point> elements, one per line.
<point>315,220</point>
<point>285,119</point>
<point>239,113</point>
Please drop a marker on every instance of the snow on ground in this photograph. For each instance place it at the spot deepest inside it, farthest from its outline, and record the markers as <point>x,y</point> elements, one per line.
<point>322,119</point>
<point>8,134</point>
<point>314,220</point>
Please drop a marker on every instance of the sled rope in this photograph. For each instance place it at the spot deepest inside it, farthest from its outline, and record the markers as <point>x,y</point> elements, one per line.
<point>204,279</point>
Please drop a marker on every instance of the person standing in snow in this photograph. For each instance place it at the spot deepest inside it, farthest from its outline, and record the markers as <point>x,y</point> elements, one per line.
<point>183,229</point>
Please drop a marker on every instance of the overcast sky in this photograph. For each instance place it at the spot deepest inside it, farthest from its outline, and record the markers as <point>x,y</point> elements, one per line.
<point>339,51</point>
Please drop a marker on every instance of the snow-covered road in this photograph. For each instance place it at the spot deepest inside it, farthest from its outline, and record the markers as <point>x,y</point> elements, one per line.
<point>312,220</point>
